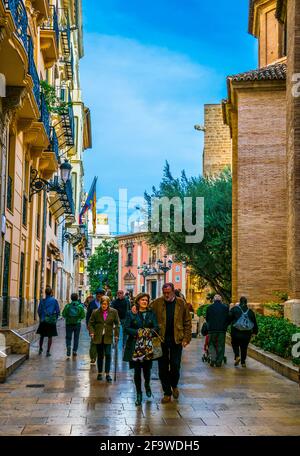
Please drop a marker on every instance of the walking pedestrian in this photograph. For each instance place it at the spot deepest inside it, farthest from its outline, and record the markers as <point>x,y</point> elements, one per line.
<point>122,307</point>
<point>48,312</point>
<point>73,314</point>
<point>94,305</point>
<point>175,325</point>
<point>243,325</point>
<point>103,325</point>
<point>88,300</point>
<point>135,324</point>
<point>217,318</point>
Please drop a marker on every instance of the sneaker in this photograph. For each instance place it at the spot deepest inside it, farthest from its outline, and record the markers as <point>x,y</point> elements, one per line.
<point>108,379</point>
<point>244,365</point>
<point>175,392</point>
<point>237,361</point>
<point>40,351</point>
<point>99,377</point>
<point>166,399</point>
<point>48,354</point>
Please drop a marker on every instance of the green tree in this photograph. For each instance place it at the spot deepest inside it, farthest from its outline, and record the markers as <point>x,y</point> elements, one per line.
<point>211,258</point>
<point>105,257</point>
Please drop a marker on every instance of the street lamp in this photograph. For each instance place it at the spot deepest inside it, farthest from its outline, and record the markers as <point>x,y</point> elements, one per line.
<point>144,271</point>
<point>162,265</point>
<point>37,184</point>
<point>102,273</point>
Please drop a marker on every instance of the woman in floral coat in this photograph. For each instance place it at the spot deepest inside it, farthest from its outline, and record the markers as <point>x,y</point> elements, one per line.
<point>140,327</point>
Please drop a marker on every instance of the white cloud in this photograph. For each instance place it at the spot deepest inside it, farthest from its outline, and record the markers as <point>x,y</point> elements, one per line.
<point>144,102</point>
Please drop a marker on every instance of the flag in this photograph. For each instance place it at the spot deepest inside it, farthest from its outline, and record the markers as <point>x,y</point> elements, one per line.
<point>90,204</point>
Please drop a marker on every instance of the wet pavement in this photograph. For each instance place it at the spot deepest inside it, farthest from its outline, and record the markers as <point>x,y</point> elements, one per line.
<point>66,398</point>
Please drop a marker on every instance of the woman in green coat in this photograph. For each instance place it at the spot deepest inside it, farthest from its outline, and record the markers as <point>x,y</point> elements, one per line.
<point>103,324</point>
<point>143,319</point>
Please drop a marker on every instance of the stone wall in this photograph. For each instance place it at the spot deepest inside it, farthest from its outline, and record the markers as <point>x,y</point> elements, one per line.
<point>217,141</point>
<point>260,209</point>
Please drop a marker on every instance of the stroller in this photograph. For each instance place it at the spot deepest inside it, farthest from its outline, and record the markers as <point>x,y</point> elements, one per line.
<point>206,356</point>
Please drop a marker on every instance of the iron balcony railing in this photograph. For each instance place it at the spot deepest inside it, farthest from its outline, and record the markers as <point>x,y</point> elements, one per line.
<point>54,143</point>
<point>52,23</point>
<point>67,118</point>
<point>19,14</point>
<point>69,64</point>
<point>33,72</point>
<point>69,202</point>
<point>65,32</point>
<point>45,115</point>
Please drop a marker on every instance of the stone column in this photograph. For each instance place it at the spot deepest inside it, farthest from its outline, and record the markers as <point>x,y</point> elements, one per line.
<point>292,307</point>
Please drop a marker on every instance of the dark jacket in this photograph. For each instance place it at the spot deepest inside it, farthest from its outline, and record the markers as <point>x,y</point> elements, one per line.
<point>217,317</point>
<point>97,325</point>
<point>92,306</point>
<point>132,324</point>
<point>182,319</point>
<point>235,313</point>
<point>122,306</point>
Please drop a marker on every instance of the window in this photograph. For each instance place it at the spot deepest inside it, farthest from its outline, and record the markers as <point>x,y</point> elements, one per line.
<point>177,278</point>
<point>50,219</point>
<point>5,286</point>
<point>177,269</point>
<point>36,280</point>
<point>21,288</point>
<point>74,188</point>
<point>11,172</point>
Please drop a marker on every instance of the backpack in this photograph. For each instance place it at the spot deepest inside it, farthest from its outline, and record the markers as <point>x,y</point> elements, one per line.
<point>244,323</point>
<point>49,318</point>
<point>73,313</point>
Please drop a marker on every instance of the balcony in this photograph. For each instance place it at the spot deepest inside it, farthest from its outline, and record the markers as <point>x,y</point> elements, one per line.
<point>19,15</point>
<point>45,116</point>
<point>61,200</point>
<point>33,72</point>
<point>50,38</point>
<point>69,66</point>
<point>65,32</point>
<point>54,147</point>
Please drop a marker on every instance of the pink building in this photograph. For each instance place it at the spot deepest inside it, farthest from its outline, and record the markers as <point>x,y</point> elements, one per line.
<point>133,253</point>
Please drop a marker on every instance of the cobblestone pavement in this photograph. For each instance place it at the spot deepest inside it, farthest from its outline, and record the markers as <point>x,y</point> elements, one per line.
<point>213,401</point>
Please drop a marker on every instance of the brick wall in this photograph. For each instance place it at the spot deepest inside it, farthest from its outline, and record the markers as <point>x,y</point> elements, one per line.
<point>260,209</point>
<point>217,141</point>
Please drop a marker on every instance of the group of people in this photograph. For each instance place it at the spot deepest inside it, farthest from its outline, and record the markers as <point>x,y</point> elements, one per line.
<point>243,326</point>
<point>166,320</point>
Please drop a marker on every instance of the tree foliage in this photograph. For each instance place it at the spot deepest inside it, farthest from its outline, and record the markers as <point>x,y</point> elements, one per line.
<point>105,257</point>
<point>211,258</point>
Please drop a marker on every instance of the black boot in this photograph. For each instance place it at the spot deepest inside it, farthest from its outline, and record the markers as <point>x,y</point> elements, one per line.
<point>139,398</point>
<point>148,390</point>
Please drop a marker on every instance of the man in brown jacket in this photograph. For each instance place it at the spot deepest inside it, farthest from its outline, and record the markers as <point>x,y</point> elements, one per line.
<point>175,325</point>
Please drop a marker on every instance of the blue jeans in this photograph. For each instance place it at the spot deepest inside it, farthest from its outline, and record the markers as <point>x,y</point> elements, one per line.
<point>70,330</point>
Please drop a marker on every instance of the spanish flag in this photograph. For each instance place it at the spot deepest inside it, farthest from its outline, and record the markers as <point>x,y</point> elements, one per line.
<point>90,204</point>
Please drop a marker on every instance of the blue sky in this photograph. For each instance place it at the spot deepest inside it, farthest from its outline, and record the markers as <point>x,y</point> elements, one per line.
<point>148,69</point>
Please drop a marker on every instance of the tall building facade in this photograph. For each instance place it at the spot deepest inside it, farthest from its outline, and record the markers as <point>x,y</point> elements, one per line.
<point>217,153</point>
<point>262,111</point>
<point>44,129</point>
<point>134,251</point>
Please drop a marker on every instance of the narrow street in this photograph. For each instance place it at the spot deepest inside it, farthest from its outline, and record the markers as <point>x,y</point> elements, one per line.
<point>70,401</point>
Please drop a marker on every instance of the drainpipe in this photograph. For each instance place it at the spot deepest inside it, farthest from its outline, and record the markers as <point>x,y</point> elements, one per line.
<point>43,259</point>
